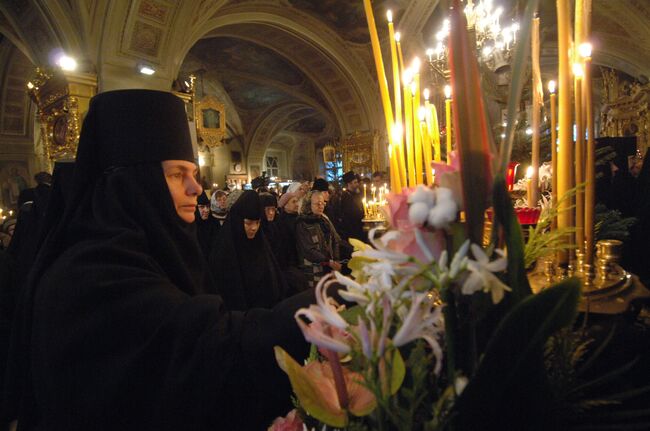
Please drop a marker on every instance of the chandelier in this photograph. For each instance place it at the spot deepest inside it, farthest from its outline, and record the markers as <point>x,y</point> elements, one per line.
<point>494,42</point>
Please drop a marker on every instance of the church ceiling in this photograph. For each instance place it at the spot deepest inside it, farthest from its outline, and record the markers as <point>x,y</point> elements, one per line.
<point>348,17</point>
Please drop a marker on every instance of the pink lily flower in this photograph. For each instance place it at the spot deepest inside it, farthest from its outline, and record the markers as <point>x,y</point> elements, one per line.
<point>291,422</point>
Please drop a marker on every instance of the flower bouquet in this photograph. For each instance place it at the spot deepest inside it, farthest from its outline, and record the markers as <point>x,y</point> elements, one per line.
<point>433,330</point>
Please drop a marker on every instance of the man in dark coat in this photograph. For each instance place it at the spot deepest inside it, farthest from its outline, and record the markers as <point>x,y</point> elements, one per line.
<point>120,326</point>
<point>351,209</point>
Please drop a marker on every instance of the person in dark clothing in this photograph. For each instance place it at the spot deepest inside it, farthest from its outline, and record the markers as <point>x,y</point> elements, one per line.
<point>289,205</point>
<point>120,327</point>
<point>351,209</point>
<point>270,226</point>
<point>317,239</point>
<point>322,186</point>
<point>243,263</point>
<point>43,183</point>
<point>207,227</point>
<point>636,252</point>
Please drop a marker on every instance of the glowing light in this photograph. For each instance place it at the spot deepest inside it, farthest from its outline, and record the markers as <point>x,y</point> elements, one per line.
<point>585,50</point>
<point>551,86</point>
<point>529,172</point>
<point>146,70</point>
<point>448,91</point>
<point>30,85</point>
<point>201,161</point>
<point>398,36</point>
<point>67,63</point>
<point>578,71</point>
<point>389,15</point>
<point>426,94</point>
<point>422,113</point>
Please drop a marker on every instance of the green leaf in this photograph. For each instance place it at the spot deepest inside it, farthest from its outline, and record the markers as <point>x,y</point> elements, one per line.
<point>470,127</point>
<point>505,216</point>
<point>398,371</point>
<point>517,83</point>
<point>509,389</point>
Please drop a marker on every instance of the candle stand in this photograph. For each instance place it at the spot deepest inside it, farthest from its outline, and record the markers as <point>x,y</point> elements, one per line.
<point>607,287</point>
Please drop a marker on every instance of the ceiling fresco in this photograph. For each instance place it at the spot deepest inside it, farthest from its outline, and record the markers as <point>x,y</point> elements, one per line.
<point>313,124</point>
<point>251,95</point>
<point>347,17</point>
<point>237,55</point>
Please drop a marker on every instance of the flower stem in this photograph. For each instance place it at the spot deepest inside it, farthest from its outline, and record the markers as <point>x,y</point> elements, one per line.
<point>337,373</point>
<point>451,325</point>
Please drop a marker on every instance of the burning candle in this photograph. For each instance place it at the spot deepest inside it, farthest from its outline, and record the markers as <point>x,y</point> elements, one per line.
<point>565,158</point>
<point>579,155</point>
<point>399,171</point>
<point>379,64</point>
<point>448,121</point>
<point>553,103</point>
<point>537,102</point>
<point>590,174</point>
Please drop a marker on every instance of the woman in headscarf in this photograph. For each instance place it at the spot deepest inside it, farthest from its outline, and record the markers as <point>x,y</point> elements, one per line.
<point>289,205</point>
<point>207,227</point>
<point>120,327</point>
<point>318,242</point>
<point>242,261</point>
<point>270,225</point>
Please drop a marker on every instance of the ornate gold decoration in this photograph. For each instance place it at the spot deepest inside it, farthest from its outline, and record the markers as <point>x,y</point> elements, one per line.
<point>62,99</point>
<point>210,118</point>
<point>329,153</point>
<point>625,109</point>
<point>360,151</point>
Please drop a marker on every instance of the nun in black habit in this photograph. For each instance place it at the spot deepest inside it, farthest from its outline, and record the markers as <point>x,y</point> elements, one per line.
<point>242,261</point>
<point>120,327</point>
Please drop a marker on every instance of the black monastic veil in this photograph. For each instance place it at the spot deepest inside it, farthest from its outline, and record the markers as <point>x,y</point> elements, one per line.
<point>123,329</point>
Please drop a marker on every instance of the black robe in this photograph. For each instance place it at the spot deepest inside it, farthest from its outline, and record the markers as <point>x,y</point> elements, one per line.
<point>120,327</point>
<point>245,270</point>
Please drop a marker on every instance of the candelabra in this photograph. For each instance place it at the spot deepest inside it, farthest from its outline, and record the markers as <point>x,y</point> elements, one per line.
<point>494,42</point>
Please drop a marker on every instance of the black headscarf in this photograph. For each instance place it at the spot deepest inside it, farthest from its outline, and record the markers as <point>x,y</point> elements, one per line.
<point>116,330</point>
<point>206,230</point>
<point>246,272</point>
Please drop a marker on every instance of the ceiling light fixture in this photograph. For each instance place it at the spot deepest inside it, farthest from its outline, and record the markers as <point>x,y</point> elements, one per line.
<point>146,69</point>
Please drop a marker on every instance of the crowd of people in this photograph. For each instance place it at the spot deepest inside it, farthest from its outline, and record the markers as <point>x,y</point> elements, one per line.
<point>133,300</point>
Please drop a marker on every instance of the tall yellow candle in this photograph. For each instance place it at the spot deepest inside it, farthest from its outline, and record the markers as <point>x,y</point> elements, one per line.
<point>417,138</point>
<point>397,140</point>
<point>399,52</point>
<point>590,171</point>
<point>408,129</point>
<point>565,158</point>
<point>537,105</point>
<point>394,170</point>
<point>435,132</point>
<point>448,121</point>
<point>379,64</point>
<point>553,103</point>
<point>426,144</point>
<point>579,157</point>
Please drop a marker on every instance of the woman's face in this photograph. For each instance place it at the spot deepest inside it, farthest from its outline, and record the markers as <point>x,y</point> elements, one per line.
<point>269,212</point>
<point>251,227</point>
<point>183,187</point>
<point>292,205</point>
<point>317,204</point>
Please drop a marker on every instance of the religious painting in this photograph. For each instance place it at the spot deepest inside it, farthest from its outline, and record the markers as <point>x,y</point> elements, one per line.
<point>210,121</point>
<point>14,178</point>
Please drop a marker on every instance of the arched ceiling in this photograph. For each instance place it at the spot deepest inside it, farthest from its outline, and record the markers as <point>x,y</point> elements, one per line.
<point>309,60</point>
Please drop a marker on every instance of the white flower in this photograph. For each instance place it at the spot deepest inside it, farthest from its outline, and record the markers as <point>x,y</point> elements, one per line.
<point>325,314</point>
<point>381,250</point>
<point>422,322</point>
<point>481,274</point>
<point>418,213</point>
<point>422,194</point>
<point>442,214</point>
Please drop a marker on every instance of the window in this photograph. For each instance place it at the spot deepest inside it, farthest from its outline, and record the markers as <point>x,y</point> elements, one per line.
<point>272,167</point>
